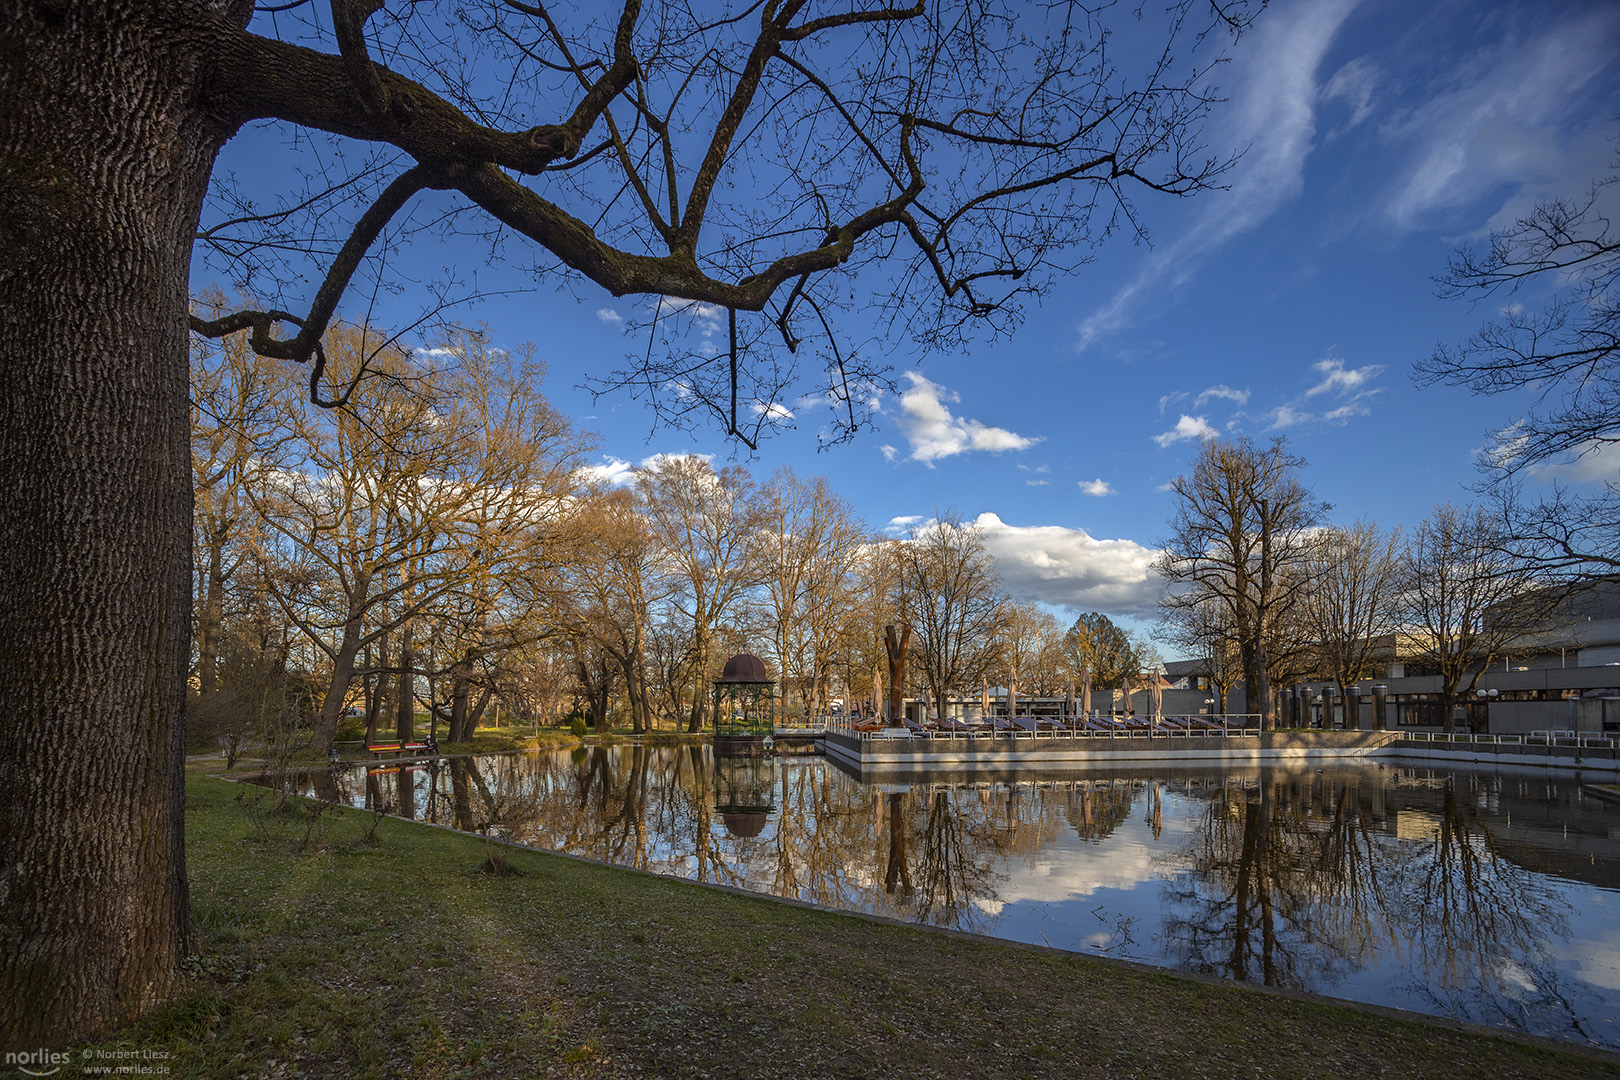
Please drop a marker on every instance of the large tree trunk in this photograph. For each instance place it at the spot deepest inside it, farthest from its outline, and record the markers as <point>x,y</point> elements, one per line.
<point>104,158</point>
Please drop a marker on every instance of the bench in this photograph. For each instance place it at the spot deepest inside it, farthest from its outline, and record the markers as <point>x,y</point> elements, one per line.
<point>397,747</point>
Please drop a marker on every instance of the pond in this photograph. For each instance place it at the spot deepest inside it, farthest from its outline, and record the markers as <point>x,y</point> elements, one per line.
<point>1486,896</point>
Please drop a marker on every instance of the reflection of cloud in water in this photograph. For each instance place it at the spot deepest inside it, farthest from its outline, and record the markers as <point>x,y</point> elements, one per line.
<point>1071,868</point>
<point>1593,961</point>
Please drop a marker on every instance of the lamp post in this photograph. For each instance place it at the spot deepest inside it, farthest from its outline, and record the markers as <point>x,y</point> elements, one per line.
<point>1380,700</point>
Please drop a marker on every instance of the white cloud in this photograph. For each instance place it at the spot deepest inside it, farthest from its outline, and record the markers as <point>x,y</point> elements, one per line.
<point>1287,416</point>
<point>1188,427</point>
<point>774,411</point>
<point>1503,119</point>
<point>1220,390</point>
<point>935,433</point>
<point>1272,113</point>
<point>1337,379</point>
<point>1168,485</point>
<point>889,452</point>
<point>1037,483</point>
<point>1097,487</point>
<point>613,473</point>
<point>1354,85</point>
<point>609,316</point>
<point>1592,463</point>
<point>1070,568</point>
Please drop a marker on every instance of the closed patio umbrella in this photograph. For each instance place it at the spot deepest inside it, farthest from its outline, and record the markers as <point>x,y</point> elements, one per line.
<point>877,695</point>
<point>1158,697</point>
<point>1125,694</point>
<point>1085,691</point>
<point>1068,702</point>
<point>984,701</point>
<point>1012,699</point>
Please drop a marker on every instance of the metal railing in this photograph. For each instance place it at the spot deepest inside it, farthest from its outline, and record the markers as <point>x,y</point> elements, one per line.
<point>1535,738</point>
<point>1055,734</point>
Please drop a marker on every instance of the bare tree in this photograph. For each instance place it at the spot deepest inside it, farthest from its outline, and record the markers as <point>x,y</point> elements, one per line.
<point>1465,601</point>
<point>970,147</point>
<point>704,523</point>
<point>809,542</point>
<point>1566,356</point>
<point>1204,629</point>
<point>1238,540</point>
<point>238,415</point>
<point>1349,609</point>
<point>951,601</point>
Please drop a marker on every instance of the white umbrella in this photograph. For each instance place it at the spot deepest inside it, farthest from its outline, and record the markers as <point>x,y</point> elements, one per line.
<point>1125,693</point>
<point>1158,697</point>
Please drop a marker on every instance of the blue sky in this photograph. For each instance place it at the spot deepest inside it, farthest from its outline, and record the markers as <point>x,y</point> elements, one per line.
<point>1377,136</point>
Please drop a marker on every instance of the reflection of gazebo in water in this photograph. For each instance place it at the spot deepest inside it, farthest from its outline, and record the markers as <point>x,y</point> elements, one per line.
<point>744,705</point>
<point>744,717</point>
<point>744,791</point>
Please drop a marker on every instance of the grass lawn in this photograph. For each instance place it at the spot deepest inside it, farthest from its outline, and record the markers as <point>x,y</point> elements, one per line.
<point>386,948</point>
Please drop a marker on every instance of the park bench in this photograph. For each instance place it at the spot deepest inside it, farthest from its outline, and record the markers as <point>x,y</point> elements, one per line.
<point>396,746</point>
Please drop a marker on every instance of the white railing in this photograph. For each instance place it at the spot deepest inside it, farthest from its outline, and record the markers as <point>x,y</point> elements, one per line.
<point>1569,739</point>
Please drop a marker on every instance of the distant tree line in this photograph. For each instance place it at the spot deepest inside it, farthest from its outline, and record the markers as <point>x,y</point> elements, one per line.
<point>439,546</point>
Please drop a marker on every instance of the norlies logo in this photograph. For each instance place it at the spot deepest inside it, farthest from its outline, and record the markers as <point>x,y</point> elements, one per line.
<point>38,1062</point>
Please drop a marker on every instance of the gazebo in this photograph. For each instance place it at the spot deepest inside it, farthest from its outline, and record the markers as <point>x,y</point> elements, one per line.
<point>744,705</point>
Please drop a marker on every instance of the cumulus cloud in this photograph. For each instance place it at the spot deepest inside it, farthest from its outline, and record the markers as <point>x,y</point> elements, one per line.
<point>1188,427</point>
<point>774,411</point>
<point>1097,487</point>
<point>1591,463</point>
<point>616,472</point>
<point>934,432</point>
<point>1070,568</point>
<point>613,472</point>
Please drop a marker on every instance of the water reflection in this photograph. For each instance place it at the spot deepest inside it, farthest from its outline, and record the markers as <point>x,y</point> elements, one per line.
<point>1484,896</point>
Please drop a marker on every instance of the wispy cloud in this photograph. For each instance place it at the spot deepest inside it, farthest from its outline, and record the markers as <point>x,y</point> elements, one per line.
<point>1338,379</point>
<point>1188,427</point>
<point>1097,488</point>
<point>1350,389</point>
<point>934,432</point>
<point>1507,116</point>
<point>1272,112</point>
<point>609,316</point>
<point>1222,391</point>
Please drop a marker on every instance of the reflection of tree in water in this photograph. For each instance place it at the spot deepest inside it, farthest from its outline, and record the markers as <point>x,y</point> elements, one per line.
<point>1097,809</point>
<point>1292,882</point>
<point>1480,924</point>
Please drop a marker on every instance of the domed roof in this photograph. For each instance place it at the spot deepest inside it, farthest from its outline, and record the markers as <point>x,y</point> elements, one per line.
<point>744,825</point>
<point>744,668</point>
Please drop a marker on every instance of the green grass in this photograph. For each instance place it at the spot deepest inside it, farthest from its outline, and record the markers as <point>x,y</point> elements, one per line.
<point>386,948</point>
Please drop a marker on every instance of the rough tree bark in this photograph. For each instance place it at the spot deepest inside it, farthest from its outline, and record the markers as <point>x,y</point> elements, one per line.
<point>105,154</point>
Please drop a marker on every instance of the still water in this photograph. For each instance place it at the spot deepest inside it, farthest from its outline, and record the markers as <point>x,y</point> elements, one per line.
<point>1486,896</point>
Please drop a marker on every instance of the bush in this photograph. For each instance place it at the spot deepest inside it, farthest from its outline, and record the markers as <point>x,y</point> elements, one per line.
<point>577,726</point>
